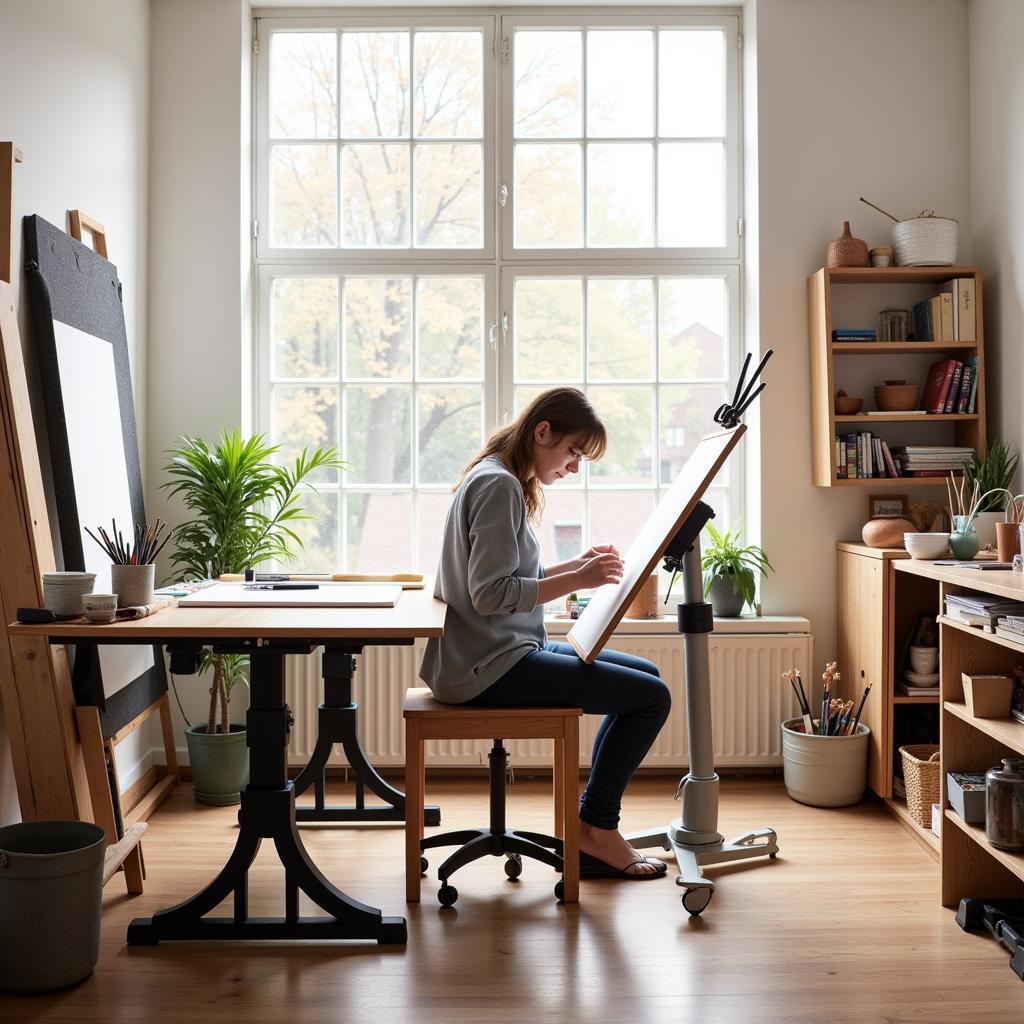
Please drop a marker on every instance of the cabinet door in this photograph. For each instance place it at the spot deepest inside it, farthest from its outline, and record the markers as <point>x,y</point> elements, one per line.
<point>861,620</point>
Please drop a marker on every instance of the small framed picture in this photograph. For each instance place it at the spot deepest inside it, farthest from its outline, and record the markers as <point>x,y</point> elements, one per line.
<point>888,506</point>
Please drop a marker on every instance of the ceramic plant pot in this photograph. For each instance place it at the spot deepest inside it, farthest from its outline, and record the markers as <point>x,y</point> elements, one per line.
<point>726,599</point>
<point>220,764</point>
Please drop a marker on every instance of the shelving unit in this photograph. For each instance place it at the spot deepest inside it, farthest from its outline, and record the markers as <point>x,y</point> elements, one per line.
<point>906,285</point>
<point>970,865</point>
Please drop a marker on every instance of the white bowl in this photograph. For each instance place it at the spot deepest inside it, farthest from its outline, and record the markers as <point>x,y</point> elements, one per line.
<point>926,546</point>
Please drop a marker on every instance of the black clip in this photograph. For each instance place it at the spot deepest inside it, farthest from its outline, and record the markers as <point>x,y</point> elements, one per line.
<point>729,415</point>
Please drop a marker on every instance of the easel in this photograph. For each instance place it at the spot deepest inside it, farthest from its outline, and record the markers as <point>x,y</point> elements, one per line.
<point>55,776</point>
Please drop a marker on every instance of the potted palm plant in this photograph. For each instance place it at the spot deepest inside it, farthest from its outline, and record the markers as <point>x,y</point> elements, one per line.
<point>730,572</point>
<point>993,473</point>
<point>244,507</point>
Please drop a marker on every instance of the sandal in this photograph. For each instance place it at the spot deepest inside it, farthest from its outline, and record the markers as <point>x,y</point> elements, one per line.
<point>591,867</point>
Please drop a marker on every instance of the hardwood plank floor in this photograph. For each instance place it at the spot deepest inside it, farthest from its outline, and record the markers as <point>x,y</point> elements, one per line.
<point>844,927</point>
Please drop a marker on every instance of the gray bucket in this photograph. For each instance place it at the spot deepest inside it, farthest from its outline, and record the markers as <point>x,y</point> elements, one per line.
<point>824,771</point>
<point>51,882</point>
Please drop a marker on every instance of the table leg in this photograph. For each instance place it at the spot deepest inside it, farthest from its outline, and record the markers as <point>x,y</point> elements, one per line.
<point>336,723</point>
<point>268,812</point>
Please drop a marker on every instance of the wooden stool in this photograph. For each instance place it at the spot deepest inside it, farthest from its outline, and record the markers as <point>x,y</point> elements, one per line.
<point>429,719</point>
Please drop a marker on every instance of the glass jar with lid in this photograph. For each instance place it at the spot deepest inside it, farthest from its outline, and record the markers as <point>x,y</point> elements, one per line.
<point>1004,804</point>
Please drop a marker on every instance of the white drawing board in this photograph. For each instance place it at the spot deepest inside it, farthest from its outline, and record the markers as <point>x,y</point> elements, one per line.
<point>591,630</point>
<point>235,595</point>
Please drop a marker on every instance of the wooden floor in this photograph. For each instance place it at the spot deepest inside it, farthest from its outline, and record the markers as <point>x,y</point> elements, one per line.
<point>844,926</point>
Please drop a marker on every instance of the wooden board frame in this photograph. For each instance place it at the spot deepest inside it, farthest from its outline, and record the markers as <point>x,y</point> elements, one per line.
<point>590,632</point>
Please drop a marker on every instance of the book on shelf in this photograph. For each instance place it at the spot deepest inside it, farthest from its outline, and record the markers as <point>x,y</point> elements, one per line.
<point>931,460</point>
<point>905,689</point>
<point>902,412</point>
<point>1010,634</point>
<point>938,382</point>
<point>983,605</point>
<point>855,334</point>
<point>863,456</point>
<point>948,315</point>
<point>954,387</point>
<point>962,294</point>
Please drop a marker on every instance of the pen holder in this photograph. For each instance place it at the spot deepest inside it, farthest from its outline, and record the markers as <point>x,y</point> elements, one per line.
<point>133,584</point>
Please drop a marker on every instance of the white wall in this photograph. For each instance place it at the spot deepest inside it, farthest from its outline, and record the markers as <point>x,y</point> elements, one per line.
<point>867,98</point>
<point>997,202</point>
<point>74,94</point>
<point>200,263</point>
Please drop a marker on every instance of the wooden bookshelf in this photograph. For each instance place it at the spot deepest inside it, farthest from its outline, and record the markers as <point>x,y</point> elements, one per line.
<point>963,429</point>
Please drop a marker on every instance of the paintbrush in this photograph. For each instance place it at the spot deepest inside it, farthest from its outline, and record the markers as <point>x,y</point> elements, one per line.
<point>864,697</point>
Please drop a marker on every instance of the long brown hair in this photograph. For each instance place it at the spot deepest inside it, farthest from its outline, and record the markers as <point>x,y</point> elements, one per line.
<point>567,411</point>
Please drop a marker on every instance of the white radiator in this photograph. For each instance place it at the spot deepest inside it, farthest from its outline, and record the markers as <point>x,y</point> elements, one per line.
<point>749,700</point>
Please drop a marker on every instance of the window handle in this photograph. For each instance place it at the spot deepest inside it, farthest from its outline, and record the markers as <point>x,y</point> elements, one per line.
<point>503,195</point>
<point>492,336</point>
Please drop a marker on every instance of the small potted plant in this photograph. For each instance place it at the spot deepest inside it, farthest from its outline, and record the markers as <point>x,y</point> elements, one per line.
<point>730,572</point>
<point>993,475</point>
<point>244,506</point>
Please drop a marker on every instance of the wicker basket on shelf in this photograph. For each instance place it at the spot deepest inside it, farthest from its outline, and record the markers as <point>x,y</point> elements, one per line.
<point>921,779</point>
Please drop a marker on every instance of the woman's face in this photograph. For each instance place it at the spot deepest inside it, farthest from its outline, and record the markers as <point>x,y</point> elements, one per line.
<point>554,458</point>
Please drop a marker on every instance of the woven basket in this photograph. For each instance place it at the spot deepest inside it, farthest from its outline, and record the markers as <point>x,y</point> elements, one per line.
<point>925,242</point>
<point>921,778</point>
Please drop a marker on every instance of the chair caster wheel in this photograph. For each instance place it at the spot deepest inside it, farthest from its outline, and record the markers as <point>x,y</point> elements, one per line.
<point>560,892</point>
<point>424,864</point>
<point>513,866</point>
<point>772,856</point>
<point>447,895</point>
<point>695,900</point>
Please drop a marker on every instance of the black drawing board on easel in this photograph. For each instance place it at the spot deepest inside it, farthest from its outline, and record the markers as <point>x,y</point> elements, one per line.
<point>81,345</point>
<point>590,632</point>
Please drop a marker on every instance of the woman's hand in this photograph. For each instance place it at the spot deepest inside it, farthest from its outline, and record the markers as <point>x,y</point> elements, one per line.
<point>598,549</point>
<point>598,569</point>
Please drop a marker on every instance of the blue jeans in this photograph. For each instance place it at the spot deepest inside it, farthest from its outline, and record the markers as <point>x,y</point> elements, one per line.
<point>628,690</point>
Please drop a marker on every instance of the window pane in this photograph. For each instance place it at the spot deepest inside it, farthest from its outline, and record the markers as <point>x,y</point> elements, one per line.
<point>620,84</point>
<point>319,534</point>
<point>560,531</point>
<point>691,83</point>
<point>620,194</point>
<point>616,517</point>
<point>449,84</point>
<point>304,196</point>
<point>304,326</point>
<point>449,207</point>
<point>450,327</point>
<point>620,329</point>
<point>548,84</point>
<point>547,322</point>
<point>450,431</point>
<point>687,414</point>
<point>303,85</point>
<point>375,85</point>
<point>548,192</point>
<point>378,435</point>
<point>305,417</point>
<point>378,331</point>
<point>375,194</point>
<point>628,415</point>
<point>692,321</point>
<point>379,531</point>
<point>691,193</point>
<point>432,510</point>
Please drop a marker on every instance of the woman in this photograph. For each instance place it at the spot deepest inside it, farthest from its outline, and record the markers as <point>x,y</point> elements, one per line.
<point>495,651</point>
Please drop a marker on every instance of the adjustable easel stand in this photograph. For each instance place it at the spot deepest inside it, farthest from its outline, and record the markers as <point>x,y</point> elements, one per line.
<point>694,837</point>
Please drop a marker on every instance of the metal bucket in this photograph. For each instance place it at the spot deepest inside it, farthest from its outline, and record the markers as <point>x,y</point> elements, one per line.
<point>51,881</point>
<point>824,771</point>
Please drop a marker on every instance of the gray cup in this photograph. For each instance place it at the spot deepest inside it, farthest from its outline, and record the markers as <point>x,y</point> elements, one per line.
<point>133,584</point>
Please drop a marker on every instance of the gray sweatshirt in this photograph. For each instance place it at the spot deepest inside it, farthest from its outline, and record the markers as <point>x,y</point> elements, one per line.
<point>488,574</point>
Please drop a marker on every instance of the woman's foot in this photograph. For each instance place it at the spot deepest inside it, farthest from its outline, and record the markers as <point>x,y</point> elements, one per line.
<point>609,846</point>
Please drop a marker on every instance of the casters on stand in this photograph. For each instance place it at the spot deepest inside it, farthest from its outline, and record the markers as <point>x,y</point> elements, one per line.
<point>513,866</point>
<point>447,895</point>
<point>424,864</point>
<point>695,900</point>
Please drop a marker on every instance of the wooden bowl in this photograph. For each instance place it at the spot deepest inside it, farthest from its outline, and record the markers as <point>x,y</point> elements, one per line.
<point>847,406</point>
<point>896,397</point>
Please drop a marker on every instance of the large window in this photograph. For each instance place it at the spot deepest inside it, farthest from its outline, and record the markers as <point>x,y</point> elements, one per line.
<point>456,211</point>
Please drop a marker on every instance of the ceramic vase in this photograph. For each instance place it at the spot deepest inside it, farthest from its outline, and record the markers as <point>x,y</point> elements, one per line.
<point>1007,541</point>
<point>846,251</point>
<point>963,540</point>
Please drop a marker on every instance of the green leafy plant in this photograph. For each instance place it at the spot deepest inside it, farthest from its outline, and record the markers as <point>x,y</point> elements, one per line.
<point>995,471</point>
<point>724,557</point>
<point>244,507</point>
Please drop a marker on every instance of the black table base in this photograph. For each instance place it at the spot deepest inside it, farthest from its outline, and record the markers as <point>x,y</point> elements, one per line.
<point>268,812</point>
<point>336,723</point>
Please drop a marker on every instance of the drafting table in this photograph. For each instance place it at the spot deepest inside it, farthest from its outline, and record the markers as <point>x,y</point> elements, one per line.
<point>267,811</point>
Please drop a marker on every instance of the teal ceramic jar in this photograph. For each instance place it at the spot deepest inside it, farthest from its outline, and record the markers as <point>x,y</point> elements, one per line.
<point>964,540</point>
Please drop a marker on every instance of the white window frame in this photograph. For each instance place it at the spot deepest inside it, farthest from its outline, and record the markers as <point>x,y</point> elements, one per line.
<point>497,261</point>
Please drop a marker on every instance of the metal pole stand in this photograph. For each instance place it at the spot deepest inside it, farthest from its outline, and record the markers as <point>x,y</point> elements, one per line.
<point>694,837</point>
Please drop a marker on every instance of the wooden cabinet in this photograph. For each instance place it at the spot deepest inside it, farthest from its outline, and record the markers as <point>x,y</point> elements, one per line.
<point>853,297</point>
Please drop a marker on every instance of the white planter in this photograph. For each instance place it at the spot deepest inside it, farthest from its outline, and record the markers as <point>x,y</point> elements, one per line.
<point>824,771</point>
